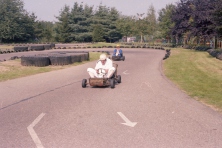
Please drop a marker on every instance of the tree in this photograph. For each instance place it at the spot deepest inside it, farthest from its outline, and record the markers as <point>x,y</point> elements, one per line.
<point>165,22</point>
<point>62,27</point>
<point>98,33</point>
<point>193,18</point>
<point>125,25</point>
<point>140,26</point>
<point>15,23</point>
<point>80,22</point>
<point>107,18</point>
<point>152,21</point>
<point>217,17</point>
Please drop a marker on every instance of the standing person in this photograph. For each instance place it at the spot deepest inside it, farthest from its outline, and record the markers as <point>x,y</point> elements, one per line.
<point>118,51</point>
<point>104,64</point>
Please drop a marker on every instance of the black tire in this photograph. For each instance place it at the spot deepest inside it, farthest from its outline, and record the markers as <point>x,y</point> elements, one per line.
<point>84,81</point>
<point>41,61</point>
<point>60,59</point>
<point>27,60</point>
<point>37,47</point>
<point>119,78</point>
<point>19,49</point>
<point>75,58</point>
<point>123,58</point>
<point>112,83</point>
<point>35,61</point>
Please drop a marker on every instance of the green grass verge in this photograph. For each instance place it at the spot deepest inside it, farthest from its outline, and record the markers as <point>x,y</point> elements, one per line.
<point>13,69</point>
<point>198,74</point>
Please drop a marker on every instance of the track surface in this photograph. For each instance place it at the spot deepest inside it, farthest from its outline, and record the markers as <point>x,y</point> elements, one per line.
<point>52,110</point>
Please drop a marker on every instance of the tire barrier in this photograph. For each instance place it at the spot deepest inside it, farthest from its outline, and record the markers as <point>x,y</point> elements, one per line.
<point>75,58</point>
<point>167,55</point>
<point>215,53</point>
<point>47,46</point>
<point>14,57</point>
<point>52,45</point>
<point>3,51</point>
<point>219,56</point>
<point>84,57</point>
<point>60,59</point>
<point>37,47</point>
<point>21,48</point>
<point>38,61</point>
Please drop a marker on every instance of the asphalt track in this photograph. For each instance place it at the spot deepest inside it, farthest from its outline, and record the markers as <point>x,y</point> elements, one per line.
<point>52,110</point>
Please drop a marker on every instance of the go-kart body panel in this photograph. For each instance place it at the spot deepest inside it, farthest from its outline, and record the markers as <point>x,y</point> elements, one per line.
<point>118,58</point>
<point>98,81</point>
<point>103,81</point>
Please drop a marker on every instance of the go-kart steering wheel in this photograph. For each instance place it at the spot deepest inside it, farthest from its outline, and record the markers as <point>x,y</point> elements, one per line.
<point>102,71</point>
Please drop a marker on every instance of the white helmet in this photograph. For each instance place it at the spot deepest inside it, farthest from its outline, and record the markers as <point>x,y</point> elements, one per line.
<point>102,57</point>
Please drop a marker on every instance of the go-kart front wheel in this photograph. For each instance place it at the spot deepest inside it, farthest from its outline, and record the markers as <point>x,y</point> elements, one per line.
<point>84,82</point>
<point>112,83</point>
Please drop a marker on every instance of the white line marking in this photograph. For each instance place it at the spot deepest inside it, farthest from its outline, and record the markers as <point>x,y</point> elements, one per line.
<point>33,133</point>
<point>128,122</point>
<point>125,72</point>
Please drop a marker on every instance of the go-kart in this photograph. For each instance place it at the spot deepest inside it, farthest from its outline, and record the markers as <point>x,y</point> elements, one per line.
<point>118,58</point>
<point>102,80</point>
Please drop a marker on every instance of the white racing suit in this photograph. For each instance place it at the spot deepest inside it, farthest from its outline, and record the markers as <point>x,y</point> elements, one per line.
<point>107,66</point>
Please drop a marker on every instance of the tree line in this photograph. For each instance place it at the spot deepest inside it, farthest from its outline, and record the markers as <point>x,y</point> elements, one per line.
<point>184,22</point>
<point>192,21</point>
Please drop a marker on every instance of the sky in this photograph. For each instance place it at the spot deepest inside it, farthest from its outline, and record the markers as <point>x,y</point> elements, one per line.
<point>46,10</point>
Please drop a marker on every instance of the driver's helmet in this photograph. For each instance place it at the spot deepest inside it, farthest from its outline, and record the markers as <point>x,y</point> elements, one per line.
<point>102,57</point>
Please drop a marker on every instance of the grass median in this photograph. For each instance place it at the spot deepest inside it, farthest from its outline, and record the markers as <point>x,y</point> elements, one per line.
<point>13,69</point>
<point>198,74</point>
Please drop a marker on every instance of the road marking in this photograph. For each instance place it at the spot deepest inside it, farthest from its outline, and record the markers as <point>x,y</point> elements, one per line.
<point>125,72</point>
<point>33,133</point>
<point>128,122</point>
<point>148,85</point>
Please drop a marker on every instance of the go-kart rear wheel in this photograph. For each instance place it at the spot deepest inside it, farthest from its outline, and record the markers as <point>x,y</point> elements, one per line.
<point>123,58</point>
<point>84,81</point>
<point>112,83</point>
<point>119,79</point>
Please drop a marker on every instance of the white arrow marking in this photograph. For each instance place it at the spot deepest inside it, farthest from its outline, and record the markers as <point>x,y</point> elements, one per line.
<point>128,122</point>
<point>32,132</point>
<point>125,72</point>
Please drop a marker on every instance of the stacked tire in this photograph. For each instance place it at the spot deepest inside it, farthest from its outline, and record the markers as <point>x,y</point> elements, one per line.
<point>60,59</point>
<point>54,58</point>
<point>38,61</point>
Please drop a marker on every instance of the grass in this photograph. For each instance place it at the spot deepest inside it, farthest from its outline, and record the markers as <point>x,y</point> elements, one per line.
<point>6,47</point>
<point>101,44</point>
<point>198,74</point>
<point>13,69</point>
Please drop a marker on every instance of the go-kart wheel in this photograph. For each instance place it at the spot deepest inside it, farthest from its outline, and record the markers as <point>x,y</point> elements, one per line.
<point>112,83</point>
<point>119,79</point>
<point>123,58</point>
<point>84,81</point>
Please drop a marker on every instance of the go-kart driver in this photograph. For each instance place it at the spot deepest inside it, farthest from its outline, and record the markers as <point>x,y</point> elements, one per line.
<point>105,64</point>
<point>118,51</point>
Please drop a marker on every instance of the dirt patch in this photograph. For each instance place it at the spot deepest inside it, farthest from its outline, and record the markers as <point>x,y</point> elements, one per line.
<point>11,63</point>
<point>3,68</point>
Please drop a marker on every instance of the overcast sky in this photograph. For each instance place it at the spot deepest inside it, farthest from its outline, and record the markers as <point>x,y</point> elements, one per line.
<point>46,10</point>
